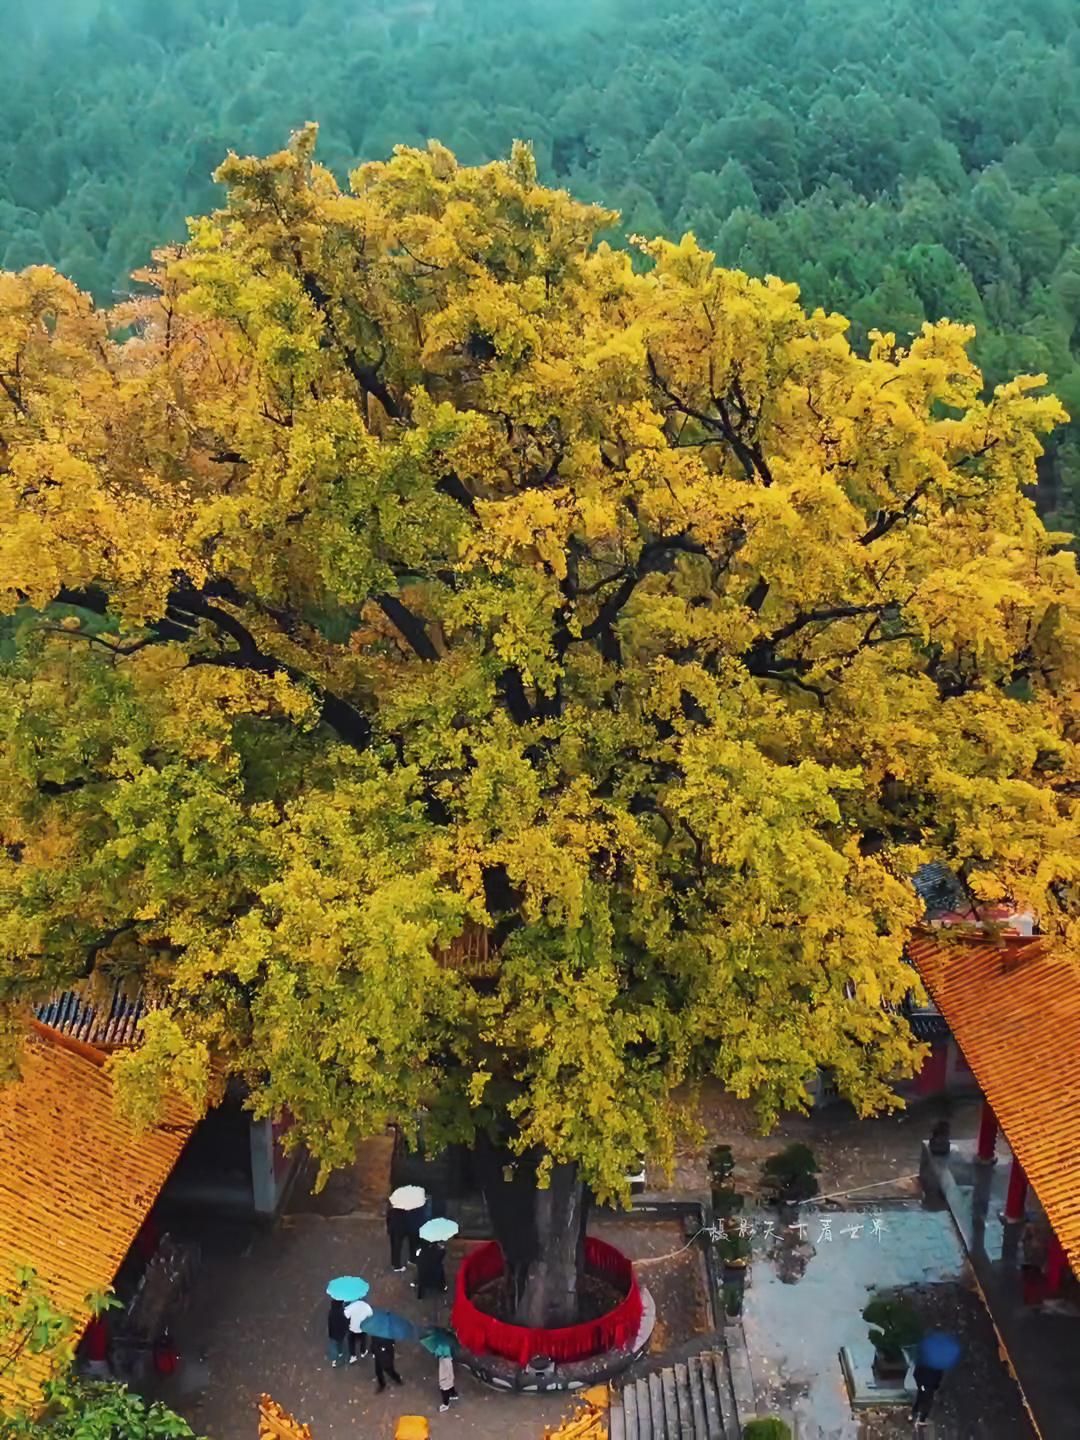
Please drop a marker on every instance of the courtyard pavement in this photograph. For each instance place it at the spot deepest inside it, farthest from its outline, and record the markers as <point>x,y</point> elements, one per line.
<point>255,1321</point>
<point>805,1300</point>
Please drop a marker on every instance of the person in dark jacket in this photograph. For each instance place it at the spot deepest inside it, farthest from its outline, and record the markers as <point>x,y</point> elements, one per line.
<point>927,1380</point>
<point>397,1227</point>
<point>383,1351</point>
<point>414,1219</point>
<point>430,1270</point>
<point>337,1329</point>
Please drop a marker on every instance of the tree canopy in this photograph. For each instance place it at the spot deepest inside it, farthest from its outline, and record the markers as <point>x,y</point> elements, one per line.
<point>409,566</point>
<point>899,161</point>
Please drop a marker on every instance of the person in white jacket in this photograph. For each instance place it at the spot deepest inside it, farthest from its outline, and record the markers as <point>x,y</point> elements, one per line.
<point>356,1313</point>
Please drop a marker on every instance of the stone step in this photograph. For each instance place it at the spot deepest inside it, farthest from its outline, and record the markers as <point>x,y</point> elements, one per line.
<point>697,1397</point>
<point>741,1379</point>
<point>682,1391</point>
<point>630,1412</point>
<point>617,1422</point>
<point>730,1397</point>
<point>714,1417</point>
<point>671,1404</point>
<point>644,1410</point>
<point>656,1407</point>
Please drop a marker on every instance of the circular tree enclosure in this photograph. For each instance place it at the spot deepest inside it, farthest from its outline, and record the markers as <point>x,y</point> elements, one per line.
<point>599,1344</point>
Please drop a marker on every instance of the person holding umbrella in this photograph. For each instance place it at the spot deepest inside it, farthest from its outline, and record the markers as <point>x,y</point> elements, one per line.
<point>404,1216</point>
<point>440,1343</point>
<point>337,1329</point>
<point>937,1353</point>
<point>447,1389</point>
<point>344,1290</point>
<point>430,1268</point>
<point>383,1351</point>
<point>356,1314</point>
<point>384,1327</point>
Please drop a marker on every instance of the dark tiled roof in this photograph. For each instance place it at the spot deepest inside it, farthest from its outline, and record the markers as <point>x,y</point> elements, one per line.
<point>939,889</point>
<point>928,1027</point>
<point>98,1017</point>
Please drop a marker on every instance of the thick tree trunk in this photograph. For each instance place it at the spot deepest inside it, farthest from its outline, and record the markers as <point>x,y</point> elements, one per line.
<point>550,1295</point>
<point>542,1233</point>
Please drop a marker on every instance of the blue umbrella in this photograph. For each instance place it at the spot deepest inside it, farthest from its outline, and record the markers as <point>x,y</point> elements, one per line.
<point>347,1288</point>
<point>385,1325</point>
<point>438,1230</point>
<point>939,1351</point>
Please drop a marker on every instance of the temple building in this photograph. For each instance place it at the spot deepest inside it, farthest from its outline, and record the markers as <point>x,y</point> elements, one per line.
<point>1012,1008</point>
<point>77,1185</point>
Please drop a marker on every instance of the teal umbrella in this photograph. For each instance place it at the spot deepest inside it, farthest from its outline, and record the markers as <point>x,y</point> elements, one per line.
<point>347,1288</point>
<point>438,1342</point>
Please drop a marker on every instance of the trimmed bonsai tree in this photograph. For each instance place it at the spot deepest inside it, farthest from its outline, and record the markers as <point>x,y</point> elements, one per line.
<point>790,1176</point>
<point>894,1327</point>
<point>734,1250</point>
<point>768,1427</point>
<point>726,1200</point>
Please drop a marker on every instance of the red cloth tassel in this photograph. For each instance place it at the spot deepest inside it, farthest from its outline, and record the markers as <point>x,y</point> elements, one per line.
<point>483,1334</point>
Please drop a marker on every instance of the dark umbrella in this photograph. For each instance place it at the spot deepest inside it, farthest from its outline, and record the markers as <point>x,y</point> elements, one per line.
<point>438,1341</point>
<point>385,1325</point>
<point>939,1351</point>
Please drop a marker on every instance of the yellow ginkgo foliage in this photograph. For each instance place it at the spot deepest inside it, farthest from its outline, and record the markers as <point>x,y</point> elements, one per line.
<point>404,565</point>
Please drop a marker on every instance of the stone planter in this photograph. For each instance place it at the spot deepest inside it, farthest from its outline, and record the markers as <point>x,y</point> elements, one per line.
<point>890,1367</point>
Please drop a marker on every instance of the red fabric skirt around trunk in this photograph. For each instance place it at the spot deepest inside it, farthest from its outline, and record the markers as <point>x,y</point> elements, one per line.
<point>483,1334</point>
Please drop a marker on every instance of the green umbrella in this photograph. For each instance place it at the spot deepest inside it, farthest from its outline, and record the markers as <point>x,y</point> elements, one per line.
<point>439,1342</point>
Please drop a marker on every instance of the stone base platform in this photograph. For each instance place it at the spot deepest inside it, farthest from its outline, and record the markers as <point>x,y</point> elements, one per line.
<point>504,1374</point>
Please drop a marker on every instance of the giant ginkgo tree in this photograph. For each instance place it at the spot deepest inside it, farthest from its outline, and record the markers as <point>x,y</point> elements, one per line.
<point>475,672</point>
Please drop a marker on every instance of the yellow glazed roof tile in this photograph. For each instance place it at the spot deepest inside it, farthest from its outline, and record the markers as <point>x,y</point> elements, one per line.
<point>1014,1010</point>
<point>76,1181</point>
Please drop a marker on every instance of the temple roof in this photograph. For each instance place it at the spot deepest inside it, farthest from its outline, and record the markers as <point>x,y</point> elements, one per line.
<point>76,1181</point>
<point>105,1019</point>
<point>1014,1009</point>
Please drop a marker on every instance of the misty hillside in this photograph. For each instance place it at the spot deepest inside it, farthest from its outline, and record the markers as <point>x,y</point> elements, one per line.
<point>899,161</point>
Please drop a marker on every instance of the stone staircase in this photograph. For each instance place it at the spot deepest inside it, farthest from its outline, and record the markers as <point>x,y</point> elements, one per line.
<point>691,1400</point>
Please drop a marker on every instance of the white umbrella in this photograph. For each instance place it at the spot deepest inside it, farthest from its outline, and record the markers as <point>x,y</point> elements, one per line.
<point>438,1230</point>
<point>408,1197</point>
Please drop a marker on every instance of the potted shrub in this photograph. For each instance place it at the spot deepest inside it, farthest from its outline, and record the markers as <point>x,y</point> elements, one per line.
<point>768,1427</point>
<point>790,1176</point>
<point>721,1164</point>
<point>734,1251</point>
<point>894,1328</point>
<point>726,1200</point>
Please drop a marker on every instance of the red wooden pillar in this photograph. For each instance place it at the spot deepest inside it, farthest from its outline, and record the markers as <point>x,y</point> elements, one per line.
<point>988,1129</point>
<point>1017,1194</point>
<point>1057,1266</point>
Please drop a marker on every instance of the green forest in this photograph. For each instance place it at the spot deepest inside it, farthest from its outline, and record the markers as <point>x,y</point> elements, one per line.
<point>900,161</point>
